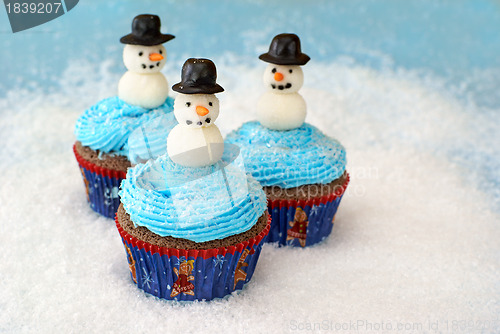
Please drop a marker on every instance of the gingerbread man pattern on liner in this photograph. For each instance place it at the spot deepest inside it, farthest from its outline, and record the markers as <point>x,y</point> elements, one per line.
<point>86,182</point>
<point>298,227</point>
<point>240,274</point>
<point>131,264</point>
<point>184,278</point>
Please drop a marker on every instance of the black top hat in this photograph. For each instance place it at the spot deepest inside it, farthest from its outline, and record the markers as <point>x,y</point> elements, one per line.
<point>198,77</point>
<point>146,31</point>
<point>285,50</point>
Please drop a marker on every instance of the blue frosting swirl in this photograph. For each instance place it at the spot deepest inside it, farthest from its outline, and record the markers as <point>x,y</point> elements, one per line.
<point>198,204</point>
<point>289,158</point>
<point>149,140</point>
<point>107,125</point>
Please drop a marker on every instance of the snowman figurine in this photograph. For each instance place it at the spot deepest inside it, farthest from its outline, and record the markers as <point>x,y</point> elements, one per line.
<point>196,141</point>
<point>144,56</point>
<point>282,107</point>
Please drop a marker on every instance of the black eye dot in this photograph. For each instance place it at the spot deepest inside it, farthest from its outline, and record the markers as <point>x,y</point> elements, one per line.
<point>210,104</point>
<point>188,122</point>
<point>188,104</point>
<point>140,54</point>
<point>160,52</point>
<point>274,70</point>
<point>290,71</point>
<point>143,65</point>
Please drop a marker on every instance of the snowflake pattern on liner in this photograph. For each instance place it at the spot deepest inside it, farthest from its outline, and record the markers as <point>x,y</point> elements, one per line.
<point>146,279</point>
<point>219,263</point>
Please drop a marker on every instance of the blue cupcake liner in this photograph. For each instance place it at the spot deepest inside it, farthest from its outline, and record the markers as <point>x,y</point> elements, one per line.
<point>188,275</point>
<point>302,223</point>
<point>101,186</point>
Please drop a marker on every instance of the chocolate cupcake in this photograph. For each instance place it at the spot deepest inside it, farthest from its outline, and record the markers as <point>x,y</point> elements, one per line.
<point>302,170</point>
<point>303,175</point>
<point>198,239</point>
<point>102,146</point>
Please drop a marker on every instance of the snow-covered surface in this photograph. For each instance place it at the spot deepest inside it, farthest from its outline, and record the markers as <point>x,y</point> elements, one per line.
<point>416,238</point>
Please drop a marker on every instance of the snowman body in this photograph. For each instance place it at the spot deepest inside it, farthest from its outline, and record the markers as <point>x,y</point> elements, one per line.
<point>281,111</point>
<point>195,147</point>
<point>195,141</point>
<point>282,107</point>
<point>143,84</point>
<point>145,90</point>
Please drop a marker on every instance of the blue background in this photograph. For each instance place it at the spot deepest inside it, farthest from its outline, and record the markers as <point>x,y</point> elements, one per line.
<point>450,38</point>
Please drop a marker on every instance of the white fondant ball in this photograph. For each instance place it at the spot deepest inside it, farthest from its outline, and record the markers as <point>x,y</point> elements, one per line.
<point>185,109</point>
<point>195,147</point>
<point>144,90</point>
<point>292,78</point>
<point>281,111</point>
<point>137,58</point>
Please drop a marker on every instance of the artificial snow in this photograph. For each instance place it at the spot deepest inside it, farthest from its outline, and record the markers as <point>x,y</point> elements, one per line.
<point>415,244</point>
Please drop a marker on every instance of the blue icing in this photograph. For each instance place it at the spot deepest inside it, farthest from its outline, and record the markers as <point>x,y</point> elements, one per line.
<point>107,125</point>
<point>289,158</point>
<point>198,204</point>
<point>149,140</point>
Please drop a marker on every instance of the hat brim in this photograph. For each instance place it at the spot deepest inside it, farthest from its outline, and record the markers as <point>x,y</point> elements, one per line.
<point>199,89</point>
<point>302,59</point>
<point>154,40</point>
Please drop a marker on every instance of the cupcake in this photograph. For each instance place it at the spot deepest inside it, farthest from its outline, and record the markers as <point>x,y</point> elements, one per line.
<point>192,221</point>
<point>302,170</point>
<point>125,129</point>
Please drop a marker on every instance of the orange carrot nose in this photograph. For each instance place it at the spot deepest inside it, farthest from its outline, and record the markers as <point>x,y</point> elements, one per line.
<point>202,111</point>
<point>155,57</point>
<point>278,76</point>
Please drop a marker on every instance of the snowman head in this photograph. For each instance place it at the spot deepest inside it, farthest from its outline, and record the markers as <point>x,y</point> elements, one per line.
<point>283,78</point>
<point>196,110</point>
<point>144,59</point>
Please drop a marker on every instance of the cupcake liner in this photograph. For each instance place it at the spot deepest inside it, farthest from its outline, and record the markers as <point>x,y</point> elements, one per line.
<point>101,185</point>
<point>304,222</point>
<point>187,275</point>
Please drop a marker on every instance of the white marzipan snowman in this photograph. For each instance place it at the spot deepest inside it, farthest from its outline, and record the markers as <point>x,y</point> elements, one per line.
<point>144,56</point>
<point>282,107</point>
<point>196,141</point>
